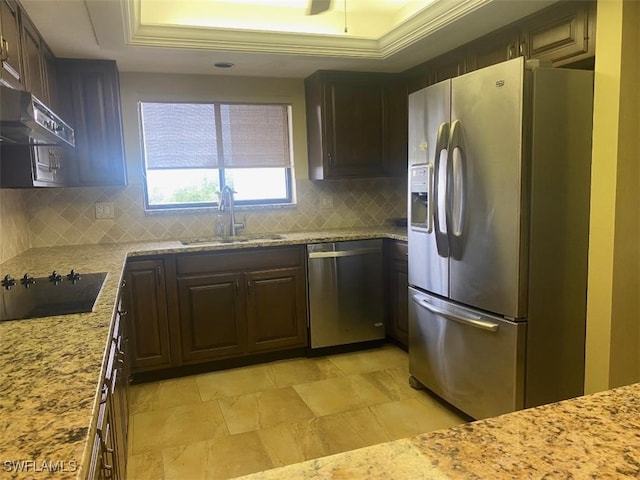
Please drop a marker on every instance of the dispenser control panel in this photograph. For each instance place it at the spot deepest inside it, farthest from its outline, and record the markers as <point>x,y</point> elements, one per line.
<point>420,184</point>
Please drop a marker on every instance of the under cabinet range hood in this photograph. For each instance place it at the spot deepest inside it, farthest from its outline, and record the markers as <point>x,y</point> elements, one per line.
<point>26,120</point>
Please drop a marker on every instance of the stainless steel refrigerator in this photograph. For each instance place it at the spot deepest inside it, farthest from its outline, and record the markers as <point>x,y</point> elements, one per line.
<point>499,178</point>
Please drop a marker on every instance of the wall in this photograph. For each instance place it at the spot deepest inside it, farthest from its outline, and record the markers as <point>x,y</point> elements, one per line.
<point>14,229</point>
<point>613,303</point>
<point>66,216</point>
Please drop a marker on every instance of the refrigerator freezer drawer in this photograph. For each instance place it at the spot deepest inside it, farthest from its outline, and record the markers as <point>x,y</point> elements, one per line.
<point>472,360</point>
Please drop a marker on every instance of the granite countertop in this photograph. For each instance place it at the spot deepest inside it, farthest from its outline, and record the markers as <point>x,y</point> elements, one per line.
<point>595,436</point>
<point>51,368</point>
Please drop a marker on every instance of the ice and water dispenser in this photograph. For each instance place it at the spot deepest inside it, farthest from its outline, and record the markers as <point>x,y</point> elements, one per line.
<point>420,181</point>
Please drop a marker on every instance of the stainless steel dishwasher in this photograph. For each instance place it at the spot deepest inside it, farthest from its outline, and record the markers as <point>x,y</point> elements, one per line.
<point>345,292</point>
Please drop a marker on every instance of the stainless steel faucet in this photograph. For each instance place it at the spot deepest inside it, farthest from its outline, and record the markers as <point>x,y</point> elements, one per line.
<point>226,201</point>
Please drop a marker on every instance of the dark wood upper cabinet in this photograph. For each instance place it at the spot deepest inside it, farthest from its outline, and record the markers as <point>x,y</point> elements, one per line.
<point>448,66</point>
<point>145,299</point>
<point>10,51</point>
<point>33,60</point>
<point>494,48</point>
<point>91,94</point>
<point>564,34</point>
<point>348,124</point>
<point>50,78</point>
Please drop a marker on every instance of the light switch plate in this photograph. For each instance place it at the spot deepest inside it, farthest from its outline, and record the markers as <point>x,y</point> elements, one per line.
<point>104,210</point>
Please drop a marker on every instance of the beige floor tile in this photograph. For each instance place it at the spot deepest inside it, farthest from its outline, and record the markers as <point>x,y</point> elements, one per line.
<point>394,382</point>
<point>340,394</point>
<point>234,382</point>
<point>236,455</point>
<point>366,424</point>
<point>145,466</point>
<point>406,418</point>
<point>186,462</point>
<point>175,426</point>
<point>163,394</point>
<point>263,409</point>
<point>302,370</point>
<point>379,358</point>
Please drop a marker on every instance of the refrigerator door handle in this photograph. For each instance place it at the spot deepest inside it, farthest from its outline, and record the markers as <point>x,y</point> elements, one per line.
<point>442,242</point>
<point>456,190</point>
<point>472,322</point>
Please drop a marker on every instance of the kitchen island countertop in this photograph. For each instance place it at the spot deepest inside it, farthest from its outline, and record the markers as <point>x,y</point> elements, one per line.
<point>51,368</point>
<point>596,436</point>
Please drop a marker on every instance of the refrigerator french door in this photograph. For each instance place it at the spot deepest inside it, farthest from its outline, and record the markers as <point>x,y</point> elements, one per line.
<point>482,150</point>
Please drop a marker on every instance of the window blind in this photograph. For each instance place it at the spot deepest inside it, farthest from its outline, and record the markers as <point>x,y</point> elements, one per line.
<point>179,135</point>
<point>186,135</point>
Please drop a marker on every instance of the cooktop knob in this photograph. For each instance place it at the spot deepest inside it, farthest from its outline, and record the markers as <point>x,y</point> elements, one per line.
<point>27,280</point>
<point>55,277</point>
<point>73,276</point>
<point>8,282</point>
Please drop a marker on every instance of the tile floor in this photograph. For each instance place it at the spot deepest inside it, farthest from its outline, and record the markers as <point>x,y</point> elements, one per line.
<point>224,424</point>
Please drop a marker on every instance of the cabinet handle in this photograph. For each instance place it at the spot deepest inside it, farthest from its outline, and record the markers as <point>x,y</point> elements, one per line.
<point>5,49</point>
<point>330,157</point>
<point>523,48</point>
<point>249,286</point>
<point>158,274</point>
<point>510,51</point>
<point>123,284</point>
<point>123,313</point>
<point>237,285</point>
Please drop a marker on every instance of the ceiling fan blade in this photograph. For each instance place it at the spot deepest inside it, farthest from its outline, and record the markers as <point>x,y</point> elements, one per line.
<point>318,6</point>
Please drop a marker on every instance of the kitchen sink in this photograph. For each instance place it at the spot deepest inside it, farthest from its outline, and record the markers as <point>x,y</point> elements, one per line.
<point>234,239</point>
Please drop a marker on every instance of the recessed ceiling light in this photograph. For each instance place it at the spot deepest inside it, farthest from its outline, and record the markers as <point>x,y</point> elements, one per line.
<point>223,64</point>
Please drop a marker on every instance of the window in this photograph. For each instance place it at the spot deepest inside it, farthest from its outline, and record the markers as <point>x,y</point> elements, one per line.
<point>192,150</point>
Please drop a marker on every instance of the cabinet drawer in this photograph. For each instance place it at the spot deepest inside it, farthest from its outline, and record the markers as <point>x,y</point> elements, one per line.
<point>399,250</point>
<point>238,260</point>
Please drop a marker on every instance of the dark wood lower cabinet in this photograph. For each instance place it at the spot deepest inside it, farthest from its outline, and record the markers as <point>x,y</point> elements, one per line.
<point>109,453</point>
<point>398,284</point>
<point>145,299</point>
<point>233,304</point>
<point>276,309</point>
<point>212,316</point>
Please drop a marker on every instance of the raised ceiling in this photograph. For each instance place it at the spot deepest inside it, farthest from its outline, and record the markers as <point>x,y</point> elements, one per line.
<point>274,38</point>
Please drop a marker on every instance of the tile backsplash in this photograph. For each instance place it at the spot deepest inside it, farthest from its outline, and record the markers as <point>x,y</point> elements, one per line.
<point>67,216</point>
<point>14,227</point>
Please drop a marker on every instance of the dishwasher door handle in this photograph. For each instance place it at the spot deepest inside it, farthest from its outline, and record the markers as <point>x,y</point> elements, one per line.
<point>345,253</point>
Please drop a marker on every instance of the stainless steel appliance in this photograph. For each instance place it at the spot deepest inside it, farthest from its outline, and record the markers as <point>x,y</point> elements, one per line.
<point>56,294</point>
<point>25,120</point>
<point>499,209</point>
<point>345,292</point>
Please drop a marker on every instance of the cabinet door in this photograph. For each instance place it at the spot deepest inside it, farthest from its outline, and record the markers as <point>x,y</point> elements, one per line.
<point>93,94</point>
<point>11,54</point>
<point>32,60</point>
<point>212,318</point>
<point>276,309</point>
<point>144,298</point>
<point>450,65</point>
<point>499,47</point>
<point>355,128</point>
<point>50,79</point>
<point>398,278</point>
<point>563,34</point>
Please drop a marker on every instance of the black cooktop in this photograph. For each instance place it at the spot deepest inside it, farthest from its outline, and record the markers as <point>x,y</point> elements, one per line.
<point>29,297</point>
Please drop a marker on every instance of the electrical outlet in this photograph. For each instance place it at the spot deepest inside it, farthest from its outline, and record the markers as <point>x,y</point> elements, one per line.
<point>104,210</point>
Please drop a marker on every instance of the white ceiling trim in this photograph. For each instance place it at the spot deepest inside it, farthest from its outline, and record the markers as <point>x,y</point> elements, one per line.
<point>437,16</point>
